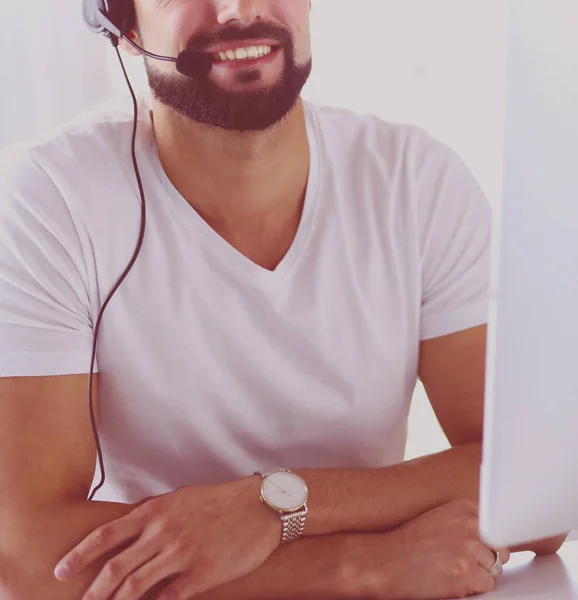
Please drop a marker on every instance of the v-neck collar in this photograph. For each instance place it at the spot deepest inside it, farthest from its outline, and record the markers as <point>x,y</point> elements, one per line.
<point>229,255</point>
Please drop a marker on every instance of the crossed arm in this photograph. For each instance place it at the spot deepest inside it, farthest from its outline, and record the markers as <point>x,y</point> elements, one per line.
<point>322,566</point>
<point>452,369</point>
<point>347,501</point>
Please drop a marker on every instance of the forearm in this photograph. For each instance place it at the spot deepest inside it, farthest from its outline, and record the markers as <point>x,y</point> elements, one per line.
<point>381,499</point>
<point>312,568</point>
<point>30,549</point>
<point>343,500</point>
<point>366,500</point>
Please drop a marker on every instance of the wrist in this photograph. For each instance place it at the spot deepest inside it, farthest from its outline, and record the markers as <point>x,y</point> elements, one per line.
<point>286,494</point>
<point>258,509</point>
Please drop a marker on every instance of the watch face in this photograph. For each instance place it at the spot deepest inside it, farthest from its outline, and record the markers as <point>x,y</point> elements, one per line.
<point>285,491</point>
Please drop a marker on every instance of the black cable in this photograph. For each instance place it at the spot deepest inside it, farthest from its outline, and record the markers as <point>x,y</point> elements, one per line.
<point>146,52</point>
<point>114,41</point>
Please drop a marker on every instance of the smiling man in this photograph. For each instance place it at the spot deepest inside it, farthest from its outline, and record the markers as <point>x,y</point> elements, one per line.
<point>302,267</point>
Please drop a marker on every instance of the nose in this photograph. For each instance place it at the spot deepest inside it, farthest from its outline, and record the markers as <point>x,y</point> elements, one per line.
<point>244,12</point>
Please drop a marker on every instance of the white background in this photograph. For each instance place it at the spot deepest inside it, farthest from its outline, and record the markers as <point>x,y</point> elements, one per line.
<point>441,65</point>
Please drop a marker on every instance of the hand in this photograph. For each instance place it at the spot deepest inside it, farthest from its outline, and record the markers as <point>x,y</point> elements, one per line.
<point>438,555</point>
<point>198,537</point>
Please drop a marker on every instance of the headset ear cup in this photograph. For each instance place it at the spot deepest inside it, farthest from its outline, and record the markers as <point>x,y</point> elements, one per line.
<point>89,10</point>
<point>96,17</point>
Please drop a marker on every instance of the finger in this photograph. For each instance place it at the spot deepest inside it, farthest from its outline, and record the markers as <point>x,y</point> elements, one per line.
<point>486,558</point>
<point>118,569</point>
<point>504,555</point>
<point>160,568</point>
<point>98,543</point>
<point>483,582</point>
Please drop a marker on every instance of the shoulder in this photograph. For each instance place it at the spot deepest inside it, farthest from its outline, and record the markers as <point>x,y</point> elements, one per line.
<point>72,155</point>
<point>61,186</point>
<point>402,148</point>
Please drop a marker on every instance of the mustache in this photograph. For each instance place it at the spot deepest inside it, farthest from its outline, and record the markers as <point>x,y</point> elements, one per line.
<point>236,34</point>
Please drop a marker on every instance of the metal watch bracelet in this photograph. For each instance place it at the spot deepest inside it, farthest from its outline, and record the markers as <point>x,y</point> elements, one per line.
<point>293,523</point>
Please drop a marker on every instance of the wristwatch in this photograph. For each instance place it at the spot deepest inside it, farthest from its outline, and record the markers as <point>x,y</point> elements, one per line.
<point>286,493</point>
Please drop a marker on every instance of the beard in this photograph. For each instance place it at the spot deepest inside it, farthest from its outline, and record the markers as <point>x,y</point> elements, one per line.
<point>200,100</point>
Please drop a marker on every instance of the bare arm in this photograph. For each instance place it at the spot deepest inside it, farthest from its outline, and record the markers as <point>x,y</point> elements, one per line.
<point>314,568</point>
<point>371,500</point>
<point>47,459</point>
<point>31,549</point>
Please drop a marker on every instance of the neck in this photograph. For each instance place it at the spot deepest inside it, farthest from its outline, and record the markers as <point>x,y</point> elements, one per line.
<point>235,177</point>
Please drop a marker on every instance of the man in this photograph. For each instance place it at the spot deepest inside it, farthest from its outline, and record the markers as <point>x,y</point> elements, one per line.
<point>302,265</point>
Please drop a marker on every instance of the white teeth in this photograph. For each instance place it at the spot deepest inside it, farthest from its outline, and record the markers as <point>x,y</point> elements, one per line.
<point>245,53</point>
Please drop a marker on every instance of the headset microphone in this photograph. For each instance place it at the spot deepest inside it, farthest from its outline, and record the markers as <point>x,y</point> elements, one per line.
<point>194,64</point>
<point>191,63</point>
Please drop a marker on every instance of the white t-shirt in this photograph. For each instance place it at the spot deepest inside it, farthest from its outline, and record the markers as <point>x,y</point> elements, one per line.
<point>210,366</point>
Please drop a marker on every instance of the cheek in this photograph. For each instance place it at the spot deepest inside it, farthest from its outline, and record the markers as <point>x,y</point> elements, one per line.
<point>296,15</point>
<point>175,23</point>
<point>296,12</point>
<point>181,24</point>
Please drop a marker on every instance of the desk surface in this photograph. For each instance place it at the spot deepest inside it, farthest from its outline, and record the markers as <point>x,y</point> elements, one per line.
<point>529,577</point>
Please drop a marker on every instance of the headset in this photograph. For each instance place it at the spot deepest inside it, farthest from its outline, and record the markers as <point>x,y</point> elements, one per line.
<point>191,63</point>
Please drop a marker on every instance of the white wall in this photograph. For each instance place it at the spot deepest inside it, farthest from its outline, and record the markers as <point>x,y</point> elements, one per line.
<point>441,65</point>
<point>438,64</point>
<point>52,67</point>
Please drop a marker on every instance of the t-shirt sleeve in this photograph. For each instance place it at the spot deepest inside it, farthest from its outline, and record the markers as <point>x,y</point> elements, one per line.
<point>45,320</point>
<point>455,222</point>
